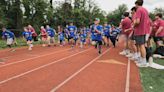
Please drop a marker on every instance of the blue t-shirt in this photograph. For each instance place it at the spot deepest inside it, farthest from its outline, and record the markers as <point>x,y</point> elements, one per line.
<point>99,36</point>
<point>82,38</point>
<point>50,32</point>
<point>72,30</point>
<point>76,37</point>
<point>107,30</point>
<point>61,36</point>
<point>93,34</point>
<point>114,33</point>
<point>27,35</point>
<point>8,34</point>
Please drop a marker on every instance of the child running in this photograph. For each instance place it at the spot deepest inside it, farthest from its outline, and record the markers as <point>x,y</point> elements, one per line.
<point>98,31</point>
<point>28,36</point>
<point>9,36</point>
<point>61,37</point>
<point>82,39</point>
<point>51,34</point>
<point>114,35</point>
<point>106,30</point>
<point>43,35</point>
<point>72,30</point>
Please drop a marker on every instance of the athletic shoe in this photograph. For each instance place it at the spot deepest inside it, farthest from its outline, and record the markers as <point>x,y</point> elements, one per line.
<point>129,55</point>
<point>133,58</point>
<point>13,50</point>
<point>157,56</point>
<point>123,52</point>
<point>143,65</point>
<point>99,52</point>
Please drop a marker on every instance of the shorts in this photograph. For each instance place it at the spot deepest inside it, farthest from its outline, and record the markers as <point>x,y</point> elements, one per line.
<point>107,36</point>
<point>70,37</point>
<point>10,41</point>
<point>51,39</point>
<point>28,39</point>
<point>132,36</point>
<point>99,42</point>
<point>158,39</point>
<point>140,40</point>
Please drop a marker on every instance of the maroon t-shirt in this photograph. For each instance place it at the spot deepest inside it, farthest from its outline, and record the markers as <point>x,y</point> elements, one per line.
<point>157,24</point>
<point>143,27</point>
<point>32,30</point>
<point>126,24</point>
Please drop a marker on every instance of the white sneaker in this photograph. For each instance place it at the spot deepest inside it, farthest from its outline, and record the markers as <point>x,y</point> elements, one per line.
<point>134,58</point>
<point>130,55</point>
<point>123,52</point>
<point>157,56</point>
<point>143,65</point>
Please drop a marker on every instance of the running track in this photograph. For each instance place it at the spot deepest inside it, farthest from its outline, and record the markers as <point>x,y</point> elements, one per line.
<point>60,69</point>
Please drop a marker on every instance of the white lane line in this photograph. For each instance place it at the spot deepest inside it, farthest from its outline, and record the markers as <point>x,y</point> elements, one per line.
<point>32,58</point>
<point>76,73</point>
<point>127,86</point>
<point>38,68</point>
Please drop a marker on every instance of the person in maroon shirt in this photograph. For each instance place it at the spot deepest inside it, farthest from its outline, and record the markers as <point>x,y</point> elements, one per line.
<point>134,55</point>
<point>44,36</point>
<point>159,29</point>
<point>34,34</point>
<point>126,24</point>
<point>142,28</point>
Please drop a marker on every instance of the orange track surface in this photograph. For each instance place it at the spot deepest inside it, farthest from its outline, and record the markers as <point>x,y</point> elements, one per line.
<point>56,64</point>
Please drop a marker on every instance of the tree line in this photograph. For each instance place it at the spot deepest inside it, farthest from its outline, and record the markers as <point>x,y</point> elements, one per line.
<point>15,14</point>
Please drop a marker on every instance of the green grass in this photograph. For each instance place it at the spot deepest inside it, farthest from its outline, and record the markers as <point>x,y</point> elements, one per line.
<point>153,79</point>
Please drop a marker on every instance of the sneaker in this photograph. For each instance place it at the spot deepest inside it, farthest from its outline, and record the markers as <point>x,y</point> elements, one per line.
<point>143,65</point>
<point>157,56</point>
<point>13,50</point>
<point>133,58</point>
<point>99,52</point>
<point>129,55</point>
<point>123,52</point>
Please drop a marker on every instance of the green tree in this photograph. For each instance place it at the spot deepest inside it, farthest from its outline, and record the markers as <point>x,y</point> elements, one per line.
<point>115,16</point>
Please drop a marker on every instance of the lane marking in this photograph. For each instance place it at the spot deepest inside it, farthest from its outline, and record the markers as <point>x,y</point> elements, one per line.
<point>111,61</point>
<point>127,86</point>
<point>76,73</point>
<point>31,58</point>
<point>38,68</point>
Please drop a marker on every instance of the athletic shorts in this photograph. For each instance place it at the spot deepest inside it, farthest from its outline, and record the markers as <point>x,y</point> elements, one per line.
<point>99,42</point>
<point>10,41</point>
<point>132,37</point>
<point>70,37</point>
<point>140,40</point>
<point>158,39</point>
<point>28,39</point>
<point>107,36</point>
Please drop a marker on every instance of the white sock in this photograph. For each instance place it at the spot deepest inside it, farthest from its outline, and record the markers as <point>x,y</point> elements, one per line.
<point>143,60</point>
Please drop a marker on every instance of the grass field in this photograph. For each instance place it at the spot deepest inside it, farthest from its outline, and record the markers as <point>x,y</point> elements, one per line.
<point>153,79</point>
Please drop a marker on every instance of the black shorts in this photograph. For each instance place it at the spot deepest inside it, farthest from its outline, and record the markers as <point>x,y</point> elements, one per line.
<point>107,36</point>
<point>158,39</point>
<point>132,37</point>
<point>140,40</point>
<point>99,42</point>
<point>70,37</point>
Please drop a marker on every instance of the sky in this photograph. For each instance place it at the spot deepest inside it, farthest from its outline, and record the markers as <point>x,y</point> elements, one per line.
<point>110,5</point>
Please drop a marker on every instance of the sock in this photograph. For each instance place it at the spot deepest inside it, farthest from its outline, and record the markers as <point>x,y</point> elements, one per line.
<point>144,61</point>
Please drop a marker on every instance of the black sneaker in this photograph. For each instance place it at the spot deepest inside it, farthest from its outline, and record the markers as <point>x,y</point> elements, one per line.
<point>95,46</point>
<point>99,52</point>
